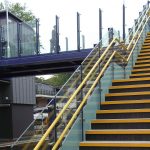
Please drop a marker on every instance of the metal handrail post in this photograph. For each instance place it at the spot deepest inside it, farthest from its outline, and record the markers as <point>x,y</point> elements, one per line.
<point>82,112</point>
<point>37,36</point>
<point>55,114</point>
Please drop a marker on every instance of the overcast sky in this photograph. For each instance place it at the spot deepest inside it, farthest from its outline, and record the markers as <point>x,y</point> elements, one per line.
<point>46,10</point>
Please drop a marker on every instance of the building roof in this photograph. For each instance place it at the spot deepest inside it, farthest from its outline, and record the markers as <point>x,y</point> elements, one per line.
<point>44,84</point>
<point>3,14</point>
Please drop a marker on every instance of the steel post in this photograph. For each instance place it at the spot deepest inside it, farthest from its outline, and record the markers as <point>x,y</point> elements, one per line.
<point>78,31</point>
<point>123,27</point>
<point>100,24</point>
<point>37,37</point>
<point>57,35</point>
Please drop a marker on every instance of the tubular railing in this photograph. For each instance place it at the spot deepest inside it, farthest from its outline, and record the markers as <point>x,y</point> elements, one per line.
<point>76,91</point>
<point>110,57</point>
<point>84,85</point>
<point>83,102</point>
<point>40,125</point>
<point>135,26</point>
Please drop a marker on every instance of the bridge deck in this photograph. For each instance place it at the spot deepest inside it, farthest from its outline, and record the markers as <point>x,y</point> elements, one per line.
<point>42,64</point>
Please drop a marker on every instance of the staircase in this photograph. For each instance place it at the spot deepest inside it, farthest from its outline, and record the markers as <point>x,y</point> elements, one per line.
<point>123,123</point>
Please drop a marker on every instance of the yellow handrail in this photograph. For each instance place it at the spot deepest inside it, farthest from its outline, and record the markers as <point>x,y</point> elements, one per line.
<point>91,89</point>
<point>123,59</point>
<point>82,103</point>
<point>82,84</point>
<point>137,39</point>
<point>71,98</point>
<point>121,44</point>
<point>134,37</point>
<point>78,78</point>
<point>137,31</point>
<point>94,84</point>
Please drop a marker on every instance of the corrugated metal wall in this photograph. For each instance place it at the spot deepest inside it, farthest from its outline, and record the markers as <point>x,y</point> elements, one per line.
<point>23,89</point>
<point>44,89</point>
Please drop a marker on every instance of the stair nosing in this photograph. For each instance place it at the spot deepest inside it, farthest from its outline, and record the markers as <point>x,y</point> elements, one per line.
<point>127,94</point>
<point>116,143</point>
<point>144,50</point>
<point>136,70</point>
<point>142,61</point>
<point>142,57</point>
<point>143,65</point>
<point>129,86</point>
<point>125,102</point>
<point>143,54</point>
<point>128,120</point>
<point>131,79</point>
<point>118,131</point>
<point>136,75</point>
<point>115,111</point>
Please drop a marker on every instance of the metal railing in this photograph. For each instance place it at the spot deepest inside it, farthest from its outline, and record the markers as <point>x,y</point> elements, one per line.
<point>61,98</point>
<point>124,59</point>
<point>80,85</point>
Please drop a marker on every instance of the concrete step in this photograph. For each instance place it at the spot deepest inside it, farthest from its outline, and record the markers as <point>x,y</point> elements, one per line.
<point>131,81</point>
<point>129,88</point>
<point>127,96</point>
<point>120,135</point>
<point>123,113</point>
<point>141,66</point>
<point>144,51</point>
<point>147,43</point>
<point>144,54</point>
<point>147,39</point>
<point>140,62</point>
<point>143,75</point>
<point>143,58</point>
<point>115,145</point>
<point>126,104</point>
<point>140,71</point>
<point>146,46</point>
<point>138,123</point>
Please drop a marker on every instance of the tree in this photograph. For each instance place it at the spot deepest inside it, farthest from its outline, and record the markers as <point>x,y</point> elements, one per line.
<point>58,80</point>
<point>20,11</point>
<point>39,80</point>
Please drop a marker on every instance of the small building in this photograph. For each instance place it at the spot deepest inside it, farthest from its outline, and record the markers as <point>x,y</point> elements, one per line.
<point>45,89</point>
<point>44,93</point>
<point>17,95</point>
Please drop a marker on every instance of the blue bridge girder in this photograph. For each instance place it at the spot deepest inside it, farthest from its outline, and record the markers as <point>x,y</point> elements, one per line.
<point>42,63</point>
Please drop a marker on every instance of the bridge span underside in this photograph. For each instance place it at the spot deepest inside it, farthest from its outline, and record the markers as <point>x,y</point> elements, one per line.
<point>42,64</point>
